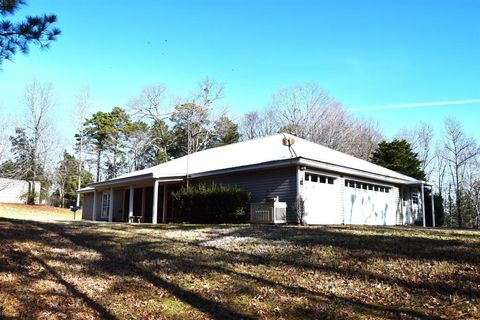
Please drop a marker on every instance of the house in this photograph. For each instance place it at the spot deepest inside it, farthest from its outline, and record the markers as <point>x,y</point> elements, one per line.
<point>336,188</point>
<point>15,191</point>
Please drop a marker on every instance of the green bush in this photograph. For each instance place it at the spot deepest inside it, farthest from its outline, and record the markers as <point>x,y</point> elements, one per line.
<point>211,204</point>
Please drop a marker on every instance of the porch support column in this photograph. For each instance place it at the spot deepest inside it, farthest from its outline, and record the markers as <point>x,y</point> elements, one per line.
<point>155,202</point>
<point>143,205</point>
<point>110,207</point>
<point>164,207</point>
<point>94,211</point>
<point>433,207</point>
<point>130,204</point>
<point>423,204</point>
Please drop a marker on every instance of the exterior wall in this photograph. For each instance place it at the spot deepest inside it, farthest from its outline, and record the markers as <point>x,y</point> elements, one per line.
<point>118,201</point>
<point>262,184</point>
<point>286,183</point>
<point>87,210</point>
<point>11,191</point>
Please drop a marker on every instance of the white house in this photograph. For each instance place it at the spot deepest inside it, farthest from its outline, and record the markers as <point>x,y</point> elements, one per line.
<point>14,191</point>
<point>336,188</point>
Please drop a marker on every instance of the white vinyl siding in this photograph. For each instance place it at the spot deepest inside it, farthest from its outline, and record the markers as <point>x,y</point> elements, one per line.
<point>321,194</point>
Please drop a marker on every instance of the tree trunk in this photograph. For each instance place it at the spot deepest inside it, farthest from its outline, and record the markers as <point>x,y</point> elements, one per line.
<point>458,200</point>
<point>79,179</point>
<point>114,169</point>
<point>99,158</point>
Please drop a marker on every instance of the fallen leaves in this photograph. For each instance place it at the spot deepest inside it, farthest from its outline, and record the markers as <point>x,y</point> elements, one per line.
<point>74,271</point>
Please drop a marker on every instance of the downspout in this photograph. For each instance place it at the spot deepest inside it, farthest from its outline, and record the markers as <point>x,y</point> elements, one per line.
<point>433,207</point>
<point>423,204</point>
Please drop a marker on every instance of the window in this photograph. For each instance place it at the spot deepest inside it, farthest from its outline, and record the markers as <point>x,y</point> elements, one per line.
<point>362,185</point>
<point>321,179</point>
<point>105,205</point>
<point>414,196</point>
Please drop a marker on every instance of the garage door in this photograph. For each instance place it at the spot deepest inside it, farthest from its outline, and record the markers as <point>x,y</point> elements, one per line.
<point>321,199</point>
<point>370,204</point>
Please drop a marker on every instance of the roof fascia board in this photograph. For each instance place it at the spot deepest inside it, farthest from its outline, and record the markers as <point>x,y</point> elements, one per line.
<point>122,180</point>
<point>86,191</point>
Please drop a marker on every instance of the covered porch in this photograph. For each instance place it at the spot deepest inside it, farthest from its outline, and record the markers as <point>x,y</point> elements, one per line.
<point>412,203</point>
<point>140,201</point>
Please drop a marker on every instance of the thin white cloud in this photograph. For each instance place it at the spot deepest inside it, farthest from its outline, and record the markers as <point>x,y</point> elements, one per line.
<point>417,105</point>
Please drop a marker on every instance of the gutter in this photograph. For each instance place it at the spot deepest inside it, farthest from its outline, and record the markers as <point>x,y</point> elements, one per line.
<point>121,180</point>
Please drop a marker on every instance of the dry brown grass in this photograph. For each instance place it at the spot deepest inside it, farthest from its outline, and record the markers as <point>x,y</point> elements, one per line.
<point>36,212</point>
<point>119,271</point>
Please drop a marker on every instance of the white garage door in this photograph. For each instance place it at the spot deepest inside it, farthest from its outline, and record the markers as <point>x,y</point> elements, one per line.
<point>321,196</point>
<point>370,204</point>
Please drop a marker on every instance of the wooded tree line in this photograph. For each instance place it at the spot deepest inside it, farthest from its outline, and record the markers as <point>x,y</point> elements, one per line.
<point>156,125</point>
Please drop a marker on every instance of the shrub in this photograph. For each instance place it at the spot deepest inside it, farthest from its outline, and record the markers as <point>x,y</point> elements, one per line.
<point>211,204</point>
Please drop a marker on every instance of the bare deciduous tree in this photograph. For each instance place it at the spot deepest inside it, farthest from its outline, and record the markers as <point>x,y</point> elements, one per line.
<point>459,151</point>
<point>4,141</point>
<point>472,192</point>
<point>153,104</point>
<point>311,113</point>
<point>83,103</point>
<point>421,140</point>
<point>439,170</point>
<point>208,92</point>
<point>38,98</point>
<point>255,124</point>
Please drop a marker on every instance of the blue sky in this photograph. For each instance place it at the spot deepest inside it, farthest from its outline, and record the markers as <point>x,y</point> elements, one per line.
<point>365,53</point>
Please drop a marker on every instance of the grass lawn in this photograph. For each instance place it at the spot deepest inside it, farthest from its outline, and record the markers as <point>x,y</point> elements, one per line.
<point>74,270</point>
<point>36,212</point>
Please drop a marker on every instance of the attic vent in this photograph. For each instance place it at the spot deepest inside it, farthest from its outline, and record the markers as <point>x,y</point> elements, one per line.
<point>288,141</point>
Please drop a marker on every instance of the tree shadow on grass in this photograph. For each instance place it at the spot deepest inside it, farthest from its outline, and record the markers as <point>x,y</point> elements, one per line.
<point>115,262</point>
<point>383,242</point>
<point>127,257</point>
<point>149,251</point>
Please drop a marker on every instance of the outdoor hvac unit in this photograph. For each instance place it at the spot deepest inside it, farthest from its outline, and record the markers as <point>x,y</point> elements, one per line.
<point>270,211</point>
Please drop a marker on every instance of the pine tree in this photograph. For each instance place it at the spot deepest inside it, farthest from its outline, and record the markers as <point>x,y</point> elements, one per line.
<point>17,36</point>
<point>398,156</point>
